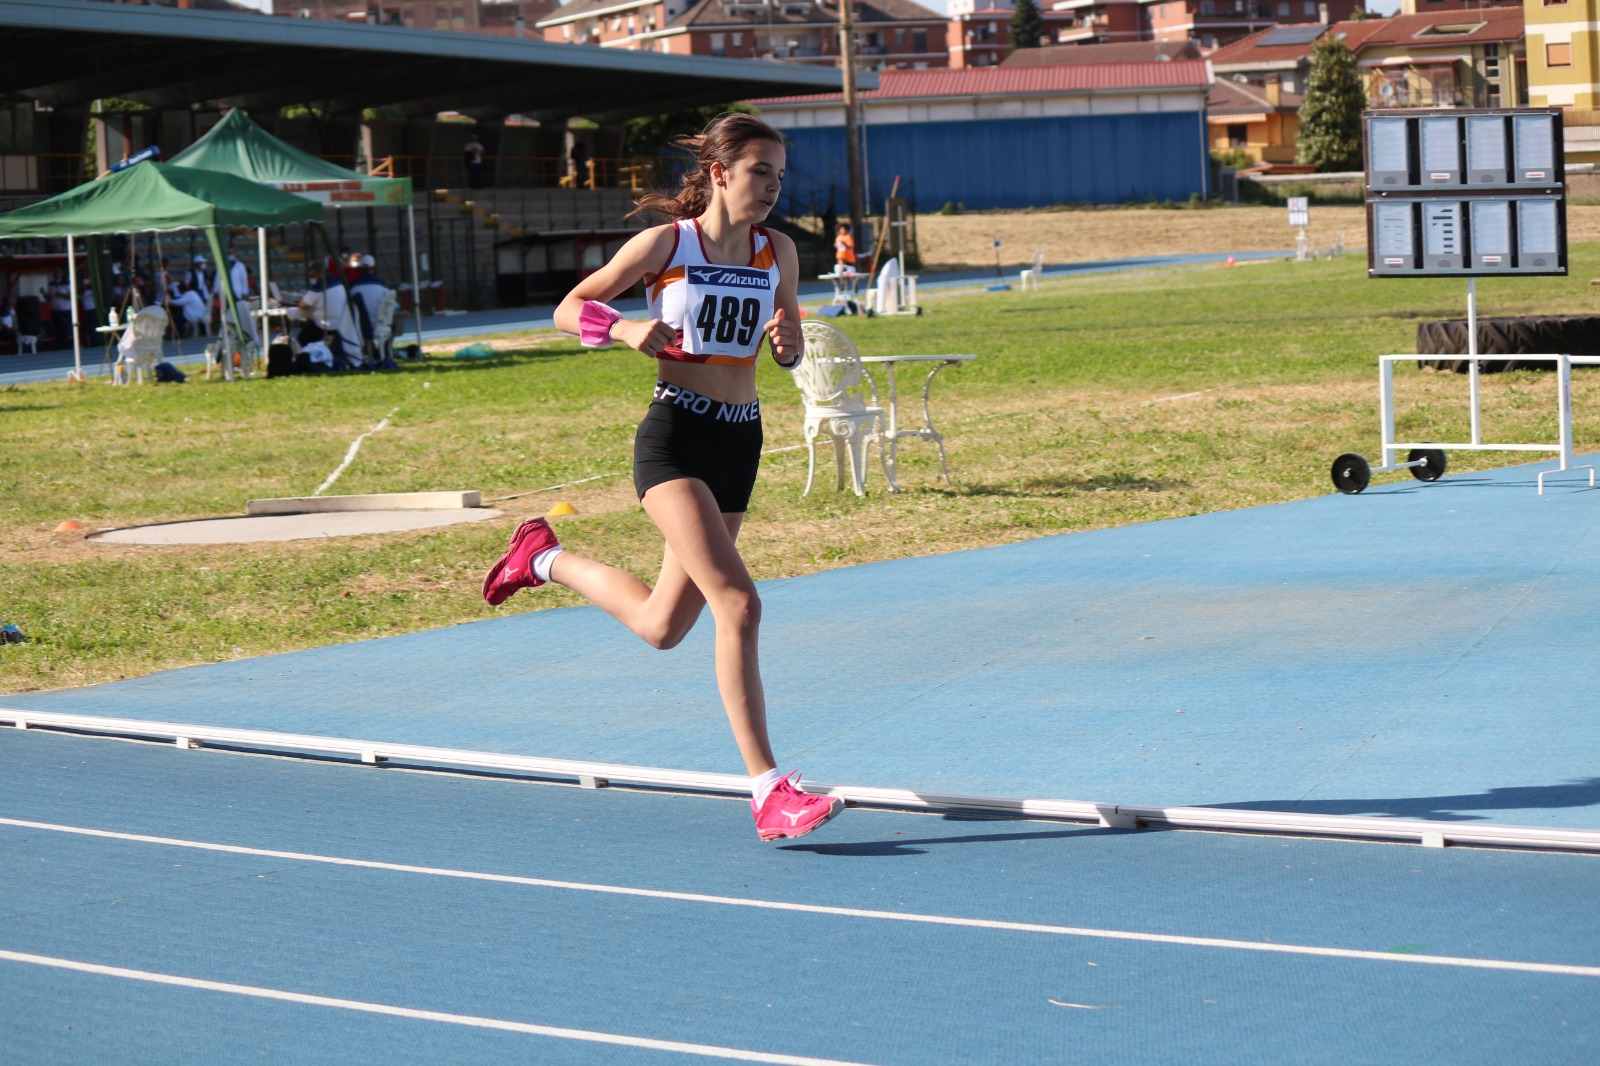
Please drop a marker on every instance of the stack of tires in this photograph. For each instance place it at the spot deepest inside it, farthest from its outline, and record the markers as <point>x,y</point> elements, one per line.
<point>1531,335</point>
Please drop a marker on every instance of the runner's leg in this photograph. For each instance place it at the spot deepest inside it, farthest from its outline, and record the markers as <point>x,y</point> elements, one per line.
<point>702,541</point>
<point>661,616</point>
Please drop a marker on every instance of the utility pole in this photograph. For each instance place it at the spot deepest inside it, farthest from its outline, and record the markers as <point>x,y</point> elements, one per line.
<point>852,134</point>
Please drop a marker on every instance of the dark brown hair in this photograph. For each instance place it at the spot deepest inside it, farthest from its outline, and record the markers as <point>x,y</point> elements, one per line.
<point>723,141</point>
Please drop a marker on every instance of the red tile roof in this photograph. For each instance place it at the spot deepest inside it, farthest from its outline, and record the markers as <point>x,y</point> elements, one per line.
<point>1497,24</point>
<point>1235,98</point>
<point>1128,52</point>
<point>1006,81</point>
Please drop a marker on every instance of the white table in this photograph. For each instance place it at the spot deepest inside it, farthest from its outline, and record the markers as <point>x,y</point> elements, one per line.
<point>927,432</point>
<point>844,289</point>
<point>289,314</point>
<point>113,335</point>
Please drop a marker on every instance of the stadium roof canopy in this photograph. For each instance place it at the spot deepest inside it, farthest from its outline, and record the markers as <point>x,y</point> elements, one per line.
<point>69,52</point>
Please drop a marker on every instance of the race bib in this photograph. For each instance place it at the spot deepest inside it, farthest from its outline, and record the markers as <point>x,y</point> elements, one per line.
<point>725,308</point>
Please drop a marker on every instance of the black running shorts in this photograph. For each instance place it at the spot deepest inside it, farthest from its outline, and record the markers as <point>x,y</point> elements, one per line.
<point>686,435</point>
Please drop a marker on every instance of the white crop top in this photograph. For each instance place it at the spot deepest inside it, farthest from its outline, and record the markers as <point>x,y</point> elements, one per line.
<point>717,310</point>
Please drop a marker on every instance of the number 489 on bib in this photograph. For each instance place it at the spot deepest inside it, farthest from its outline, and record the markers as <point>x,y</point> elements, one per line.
<point>728,319</point>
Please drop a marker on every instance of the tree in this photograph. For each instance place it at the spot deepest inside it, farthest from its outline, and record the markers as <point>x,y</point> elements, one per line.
<point>1026,25</point>
<point>1330,117</point>
<point>654,134</point>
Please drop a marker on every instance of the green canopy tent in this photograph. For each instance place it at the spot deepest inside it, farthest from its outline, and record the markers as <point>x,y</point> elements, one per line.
<point>238,145</point>
<point>160,198</point>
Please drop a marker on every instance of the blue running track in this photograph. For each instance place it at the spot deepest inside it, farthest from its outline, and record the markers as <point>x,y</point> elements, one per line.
<point>1421,653</point>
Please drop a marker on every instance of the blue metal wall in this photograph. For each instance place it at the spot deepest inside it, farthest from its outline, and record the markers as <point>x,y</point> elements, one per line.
<point>1026,162</point>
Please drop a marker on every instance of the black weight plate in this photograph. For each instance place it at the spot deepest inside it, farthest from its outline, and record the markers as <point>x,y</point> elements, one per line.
<point>1434,461</point>
<point>1351,473</point>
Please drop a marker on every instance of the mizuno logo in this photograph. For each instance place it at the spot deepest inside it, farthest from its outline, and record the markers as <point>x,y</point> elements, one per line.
<point>794,816</point>
<point>729,277</point>
<point>512,571</point>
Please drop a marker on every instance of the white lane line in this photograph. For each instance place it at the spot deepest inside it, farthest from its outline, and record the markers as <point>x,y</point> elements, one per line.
<point>473,1021</point>
<point>1187,395</point>
<point>552,488</point>
<point>842,912</point>
<point>355,446</point>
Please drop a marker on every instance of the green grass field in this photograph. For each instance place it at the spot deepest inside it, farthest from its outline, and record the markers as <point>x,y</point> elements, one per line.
<point>1093,403</point>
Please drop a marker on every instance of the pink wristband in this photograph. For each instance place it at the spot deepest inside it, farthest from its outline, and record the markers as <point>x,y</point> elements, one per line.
<point>594,324</point>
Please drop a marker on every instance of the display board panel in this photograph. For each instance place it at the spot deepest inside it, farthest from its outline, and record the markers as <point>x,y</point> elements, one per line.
<point>1487,158</point>
<point>1503,234</point>
<point>1465,191</point>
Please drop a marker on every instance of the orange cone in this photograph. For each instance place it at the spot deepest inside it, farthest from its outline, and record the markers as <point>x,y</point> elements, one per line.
<point>1230,259</point>
<point>69,526</point>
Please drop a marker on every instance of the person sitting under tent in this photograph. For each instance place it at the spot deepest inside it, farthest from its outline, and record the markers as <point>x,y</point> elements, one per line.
<point>326,304</point>
<point>315,357</point>
<point>192,310</point>
<point>369,289</point>
<point>197,277</point>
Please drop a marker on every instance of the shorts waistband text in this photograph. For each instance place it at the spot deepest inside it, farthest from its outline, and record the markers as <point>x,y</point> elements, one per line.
<point>678,396</point>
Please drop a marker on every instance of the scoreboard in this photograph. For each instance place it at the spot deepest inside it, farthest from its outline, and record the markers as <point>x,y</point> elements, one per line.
<point>1466,192</point>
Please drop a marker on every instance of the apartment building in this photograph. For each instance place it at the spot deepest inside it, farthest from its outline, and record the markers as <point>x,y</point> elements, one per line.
<point>1438,59</point>
<point>1214,23</point>
<point>890,34</point>
<point>1563,54</point>
<point>501,18</point>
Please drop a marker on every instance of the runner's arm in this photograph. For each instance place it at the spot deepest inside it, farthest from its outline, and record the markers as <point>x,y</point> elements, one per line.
<point>641,258</point>
<point>783,332</point>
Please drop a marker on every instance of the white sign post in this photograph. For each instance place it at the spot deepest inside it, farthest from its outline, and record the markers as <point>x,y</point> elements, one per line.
<point>1300,215</point>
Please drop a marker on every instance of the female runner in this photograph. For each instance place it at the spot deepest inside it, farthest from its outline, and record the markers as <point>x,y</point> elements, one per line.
<point>718,283</point>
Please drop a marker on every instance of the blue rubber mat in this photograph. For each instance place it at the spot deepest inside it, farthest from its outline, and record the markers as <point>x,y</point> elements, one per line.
<point>1418,651</point>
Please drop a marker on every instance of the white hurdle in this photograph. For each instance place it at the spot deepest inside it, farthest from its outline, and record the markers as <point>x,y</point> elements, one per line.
<point>1426,459</point>
<point>1562,446</point>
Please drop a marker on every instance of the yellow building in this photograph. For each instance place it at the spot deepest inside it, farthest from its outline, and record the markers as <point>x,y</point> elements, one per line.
<point>1260,121</point>
<point>1563,41</point>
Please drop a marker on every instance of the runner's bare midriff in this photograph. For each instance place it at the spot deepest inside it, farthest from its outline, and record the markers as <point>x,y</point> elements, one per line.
<point>725,384</point>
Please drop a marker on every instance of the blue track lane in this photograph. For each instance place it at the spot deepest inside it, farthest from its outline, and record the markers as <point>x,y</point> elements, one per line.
<point>849,987</point>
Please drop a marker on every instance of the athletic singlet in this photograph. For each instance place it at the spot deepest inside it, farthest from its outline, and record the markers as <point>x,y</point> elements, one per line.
<point>717,310</point>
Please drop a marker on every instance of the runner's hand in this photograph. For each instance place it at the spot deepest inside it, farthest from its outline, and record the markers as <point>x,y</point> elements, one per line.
<point>784,333</point>
<point>647,337</point>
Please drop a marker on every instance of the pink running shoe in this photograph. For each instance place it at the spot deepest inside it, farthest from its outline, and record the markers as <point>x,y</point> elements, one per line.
<point>514,570</point>
<point>789,812</point>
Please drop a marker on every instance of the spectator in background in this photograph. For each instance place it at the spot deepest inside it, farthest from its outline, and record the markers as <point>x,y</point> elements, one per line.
<point>202,279</point>
<point>58,297</point>
<point>192,311</point>
<point>145,287</point>
<point>86,319</point>
<point>472,156</point>
<point>369,290</point>
<point>844,250</point>
<point>120,285</point>
<point>197,278</point>
<point>580,166</point>
<point>326,305</point>
<point>238,277</point>
<point>315,355</point>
